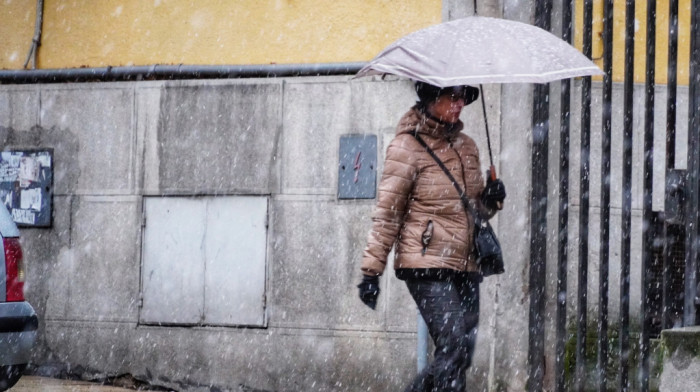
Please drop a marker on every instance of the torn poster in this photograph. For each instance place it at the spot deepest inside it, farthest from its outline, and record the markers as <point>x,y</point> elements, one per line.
<point>26,185</point>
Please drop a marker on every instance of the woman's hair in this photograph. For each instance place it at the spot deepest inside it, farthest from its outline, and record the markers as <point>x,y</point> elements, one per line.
<point>427,93</point>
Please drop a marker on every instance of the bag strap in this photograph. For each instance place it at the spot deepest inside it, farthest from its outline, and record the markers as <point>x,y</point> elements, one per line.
<point>462,195</point>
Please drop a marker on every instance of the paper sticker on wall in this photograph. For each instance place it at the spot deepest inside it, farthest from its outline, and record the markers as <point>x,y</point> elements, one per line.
<point>28,171</point>
<point>31,199</point>
<point>26,185</point>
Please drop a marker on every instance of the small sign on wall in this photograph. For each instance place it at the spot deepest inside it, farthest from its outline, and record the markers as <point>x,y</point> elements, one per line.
<point>26,185</point>
<point>357,167</point>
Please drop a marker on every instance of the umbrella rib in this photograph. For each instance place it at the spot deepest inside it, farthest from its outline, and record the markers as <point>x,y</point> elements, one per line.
<point>503,78</point>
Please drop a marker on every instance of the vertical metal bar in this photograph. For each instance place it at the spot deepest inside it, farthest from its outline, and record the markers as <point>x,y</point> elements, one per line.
<point>672,84</point>
<point>582,296</point>
<point>670,152</point>
<point>647,212</point>
<point>605,198</point>
<point>692,180</point>
<point>628,107</point>
<point>562,269</point>
<point>538,242</point>
<point>538,217</point>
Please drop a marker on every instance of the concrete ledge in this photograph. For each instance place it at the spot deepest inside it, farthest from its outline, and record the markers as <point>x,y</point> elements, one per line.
<point>681,365</point>
<point>275,359</point>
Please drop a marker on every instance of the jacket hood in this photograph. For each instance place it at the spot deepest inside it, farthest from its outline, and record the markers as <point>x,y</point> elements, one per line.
<point>416,120</point>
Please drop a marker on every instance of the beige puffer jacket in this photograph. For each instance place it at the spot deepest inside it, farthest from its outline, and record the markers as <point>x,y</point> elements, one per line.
<point>416,200</point>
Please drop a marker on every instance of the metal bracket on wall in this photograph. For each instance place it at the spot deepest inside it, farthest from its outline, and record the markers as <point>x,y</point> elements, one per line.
<point>357,167</point>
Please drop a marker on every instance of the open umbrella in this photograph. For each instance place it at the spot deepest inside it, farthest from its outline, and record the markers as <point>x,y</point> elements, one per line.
<point>478,50</point>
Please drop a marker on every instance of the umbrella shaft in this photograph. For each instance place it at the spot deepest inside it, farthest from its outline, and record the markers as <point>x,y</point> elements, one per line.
<point>486,124</point>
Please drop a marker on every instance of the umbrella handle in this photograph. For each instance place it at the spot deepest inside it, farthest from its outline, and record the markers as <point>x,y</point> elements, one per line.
<point>492,169</point>
<point>492,176</point>
<point>492,172</point>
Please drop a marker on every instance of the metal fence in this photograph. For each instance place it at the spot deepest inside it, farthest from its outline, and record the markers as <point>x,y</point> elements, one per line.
<point>670,248</point>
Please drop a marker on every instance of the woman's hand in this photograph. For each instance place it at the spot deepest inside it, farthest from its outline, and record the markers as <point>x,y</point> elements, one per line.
<point>493,194</point>
<point>369,290</point>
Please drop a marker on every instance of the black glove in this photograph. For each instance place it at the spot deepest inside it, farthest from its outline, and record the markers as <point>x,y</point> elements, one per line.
<point>369,290</point>
<point>494,193</point>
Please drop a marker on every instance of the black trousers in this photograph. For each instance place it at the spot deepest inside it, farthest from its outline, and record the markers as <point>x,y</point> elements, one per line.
<point>450,308</point>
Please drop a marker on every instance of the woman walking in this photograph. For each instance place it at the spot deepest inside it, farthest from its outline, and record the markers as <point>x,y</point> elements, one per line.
<point>420,211</point>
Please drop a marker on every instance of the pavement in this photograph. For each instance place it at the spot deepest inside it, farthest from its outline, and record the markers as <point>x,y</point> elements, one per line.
<point>45,384</point>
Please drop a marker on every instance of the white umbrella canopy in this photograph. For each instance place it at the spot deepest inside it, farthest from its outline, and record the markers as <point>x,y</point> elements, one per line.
<point>478,50</point>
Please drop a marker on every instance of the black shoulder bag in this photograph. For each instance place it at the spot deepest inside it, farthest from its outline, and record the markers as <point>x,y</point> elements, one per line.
<point>487,249</point>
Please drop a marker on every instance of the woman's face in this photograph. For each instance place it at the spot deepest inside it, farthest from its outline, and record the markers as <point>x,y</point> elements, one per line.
<point>447,108</point>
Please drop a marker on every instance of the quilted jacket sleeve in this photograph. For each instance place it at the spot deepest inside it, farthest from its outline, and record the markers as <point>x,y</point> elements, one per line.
<point>400,169</point>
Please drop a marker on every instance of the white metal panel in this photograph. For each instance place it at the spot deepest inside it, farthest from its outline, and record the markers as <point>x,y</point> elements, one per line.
<point>173,268</point>
<point>235,250</point>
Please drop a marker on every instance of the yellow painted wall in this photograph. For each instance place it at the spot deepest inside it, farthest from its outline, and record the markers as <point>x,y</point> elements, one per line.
<point>640,11</point>
<point>16,32</point>
<point>93,33</point>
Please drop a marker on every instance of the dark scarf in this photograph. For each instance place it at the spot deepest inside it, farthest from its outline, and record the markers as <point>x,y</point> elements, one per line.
<point>450,129</point>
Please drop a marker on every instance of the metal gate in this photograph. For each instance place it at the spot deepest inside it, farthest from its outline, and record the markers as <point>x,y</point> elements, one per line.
<point>669,270</point>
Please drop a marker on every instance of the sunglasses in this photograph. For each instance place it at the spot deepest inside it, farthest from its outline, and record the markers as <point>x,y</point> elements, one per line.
<point>468,94</point>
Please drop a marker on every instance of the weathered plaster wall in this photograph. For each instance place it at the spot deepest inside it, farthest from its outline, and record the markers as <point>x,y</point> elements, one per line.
<point>115,143</point>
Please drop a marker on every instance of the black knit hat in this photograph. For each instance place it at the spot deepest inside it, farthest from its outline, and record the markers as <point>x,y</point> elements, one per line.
<point>427,93</point>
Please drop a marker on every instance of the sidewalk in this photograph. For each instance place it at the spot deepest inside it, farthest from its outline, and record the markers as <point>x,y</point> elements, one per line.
<point>44,384</point>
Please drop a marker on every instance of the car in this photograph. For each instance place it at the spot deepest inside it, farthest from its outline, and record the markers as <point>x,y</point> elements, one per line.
<point>18,321</point>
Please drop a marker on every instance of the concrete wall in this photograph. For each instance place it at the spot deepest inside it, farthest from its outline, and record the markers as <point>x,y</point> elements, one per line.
<point>115,143</point>
<point>681,360</point>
